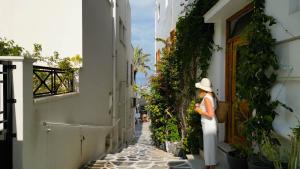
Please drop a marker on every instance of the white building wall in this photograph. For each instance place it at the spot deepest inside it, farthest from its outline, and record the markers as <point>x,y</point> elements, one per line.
<point>77,125</point>
<point>286,32</point>
<point>55,24</point>
<point>216,71</point>
<point>167,13</point>
<point>123,57</point>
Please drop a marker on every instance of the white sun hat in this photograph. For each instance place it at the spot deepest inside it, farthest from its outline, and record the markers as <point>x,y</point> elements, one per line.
<point>204,84</point>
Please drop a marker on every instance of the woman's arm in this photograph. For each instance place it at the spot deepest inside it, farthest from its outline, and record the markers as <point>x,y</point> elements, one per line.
<point>208,105</point>
<point>209,108</point>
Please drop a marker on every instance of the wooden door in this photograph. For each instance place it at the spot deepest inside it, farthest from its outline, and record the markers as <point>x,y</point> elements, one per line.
<point>238,109</point>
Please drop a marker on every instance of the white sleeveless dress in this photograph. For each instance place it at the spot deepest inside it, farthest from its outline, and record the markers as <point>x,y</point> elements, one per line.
<point>209,128</point>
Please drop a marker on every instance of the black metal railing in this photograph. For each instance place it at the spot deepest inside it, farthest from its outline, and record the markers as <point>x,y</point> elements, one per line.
<point>48,81</point>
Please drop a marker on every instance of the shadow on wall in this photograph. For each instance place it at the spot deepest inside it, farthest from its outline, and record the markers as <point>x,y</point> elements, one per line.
<point>138,130</point>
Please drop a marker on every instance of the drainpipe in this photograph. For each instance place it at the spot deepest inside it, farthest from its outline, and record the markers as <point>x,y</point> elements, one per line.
<point>114,6</point>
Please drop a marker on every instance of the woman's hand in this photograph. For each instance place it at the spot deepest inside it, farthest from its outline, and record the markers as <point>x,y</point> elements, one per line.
<point>197,108</point>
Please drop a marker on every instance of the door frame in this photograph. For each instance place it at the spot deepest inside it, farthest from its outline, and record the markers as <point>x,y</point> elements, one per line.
<point>230,60</point>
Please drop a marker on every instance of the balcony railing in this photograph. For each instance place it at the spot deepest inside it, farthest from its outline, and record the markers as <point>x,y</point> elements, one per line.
<point>48,81</point>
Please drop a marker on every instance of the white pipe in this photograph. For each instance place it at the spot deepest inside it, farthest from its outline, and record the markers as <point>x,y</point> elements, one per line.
<point>114,62</point>
<point>46,123</point>
<point>288,40</point>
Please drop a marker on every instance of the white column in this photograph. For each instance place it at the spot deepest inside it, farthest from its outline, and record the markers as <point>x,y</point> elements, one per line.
<point>23,123</point>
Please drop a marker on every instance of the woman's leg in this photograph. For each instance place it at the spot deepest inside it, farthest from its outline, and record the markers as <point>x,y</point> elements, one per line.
<point>212,167</point>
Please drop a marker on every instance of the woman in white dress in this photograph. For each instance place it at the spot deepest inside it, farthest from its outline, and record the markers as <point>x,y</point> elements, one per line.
<point>209,122</point>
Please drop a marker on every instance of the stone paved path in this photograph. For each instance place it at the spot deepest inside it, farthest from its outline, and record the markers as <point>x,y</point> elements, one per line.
<point>141,155</point>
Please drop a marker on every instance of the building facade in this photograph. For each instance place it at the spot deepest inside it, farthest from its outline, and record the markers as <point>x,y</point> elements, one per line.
<point>229,15</point>
<point>167,13</point>
<point>286,32</point>
<point>67,131</point>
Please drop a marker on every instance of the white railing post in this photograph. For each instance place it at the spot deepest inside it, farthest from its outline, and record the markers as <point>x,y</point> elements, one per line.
<point>23,109</point>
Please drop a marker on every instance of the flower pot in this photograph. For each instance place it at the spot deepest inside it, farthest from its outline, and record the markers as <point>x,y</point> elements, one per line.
<point>284,165</point>
<point>256,163</point>
<point>235,162</point>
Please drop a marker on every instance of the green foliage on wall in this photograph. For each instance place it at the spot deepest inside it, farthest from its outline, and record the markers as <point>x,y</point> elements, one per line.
<point>185,60</point>
<point>194,47</point>
<point>164,86</point>
<point>256,73</point>
<point>193,140</point>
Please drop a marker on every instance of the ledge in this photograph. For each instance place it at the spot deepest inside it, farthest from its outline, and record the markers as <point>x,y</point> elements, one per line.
<point>16,58</point>
<point>224,9</point>
<point>46,123</point>
<point>55,98</point>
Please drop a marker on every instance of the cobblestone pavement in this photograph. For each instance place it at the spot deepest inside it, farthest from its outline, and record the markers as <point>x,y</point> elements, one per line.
<point>141,155</point>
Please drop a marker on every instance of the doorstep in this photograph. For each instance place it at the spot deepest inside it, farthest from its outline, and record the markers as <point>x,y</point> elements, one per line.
<point>197,161</point>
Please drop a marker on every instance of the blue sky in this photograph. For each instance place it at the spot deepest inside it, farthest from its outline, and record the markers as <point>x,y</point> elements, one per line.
<point>142,12</point>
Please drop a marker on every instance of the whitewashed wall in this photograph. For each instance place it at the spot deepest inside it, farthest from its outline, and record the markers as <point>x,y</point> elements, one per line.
<point>167,13</point>
<point>123,61</point>
<point>287,50</point>
<point>55,24</point>
<point>88,114</point>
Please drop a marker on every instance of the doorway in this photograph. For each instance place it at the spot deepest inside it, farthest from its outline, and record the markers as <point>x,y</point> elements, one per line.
<point>238,109</point>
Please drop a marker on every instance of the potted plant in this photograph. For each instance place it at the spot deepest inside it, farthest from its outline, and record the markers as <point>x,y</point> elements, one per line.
<point>270,146</point>
<point>258,129</point>
<point>295,149</point>
<point>237,158</point>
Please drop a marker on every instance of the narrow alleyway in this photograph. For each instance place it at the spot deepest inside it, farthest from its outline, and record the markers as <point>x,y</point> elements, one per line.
<point>141,155</point>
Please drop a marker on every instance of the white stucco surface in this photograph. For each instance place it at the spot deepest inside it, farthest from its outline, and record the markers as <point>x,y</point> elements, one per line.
<point>286,32</point>
<point>166,18</point>
<point>55,24</point>
<point>79,126</point>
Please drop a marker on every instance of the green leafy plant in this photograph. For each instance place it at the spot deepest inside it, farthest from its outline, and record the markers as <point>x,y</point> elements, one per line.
<point>164,121</point>
<point>140,60</point>
<point>193,140</point>
<point>187,51</point>
<point>242,148</point>
<point>257,73</point>
<point>9,48</point>
<point>295,149</point>
<point>270,148</point>
<point>70,64</point>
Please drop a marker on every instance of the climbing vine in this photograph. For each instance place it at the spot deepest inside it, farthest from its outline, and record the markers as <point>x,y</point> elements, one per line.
<point>186,58</point>
<point>256,73</point>
<point>164,87</point>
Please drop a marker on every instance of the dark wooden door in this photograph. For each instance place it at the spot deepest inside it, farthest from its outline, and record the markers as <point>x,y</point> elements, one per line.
<point>238,109</point>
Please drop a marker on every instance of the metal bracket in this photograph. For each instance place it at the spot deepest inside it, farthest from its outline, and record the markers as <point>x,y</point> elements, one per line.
<point>11,66</point>
<point>11,101</point>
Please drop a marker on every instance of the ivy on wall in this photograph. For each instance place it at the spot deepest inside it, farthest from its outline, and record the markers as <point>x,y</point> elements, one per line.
<point>194,47</point>
<point>256,73</point>
<point>172,88</point>
<point>164,86</point>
